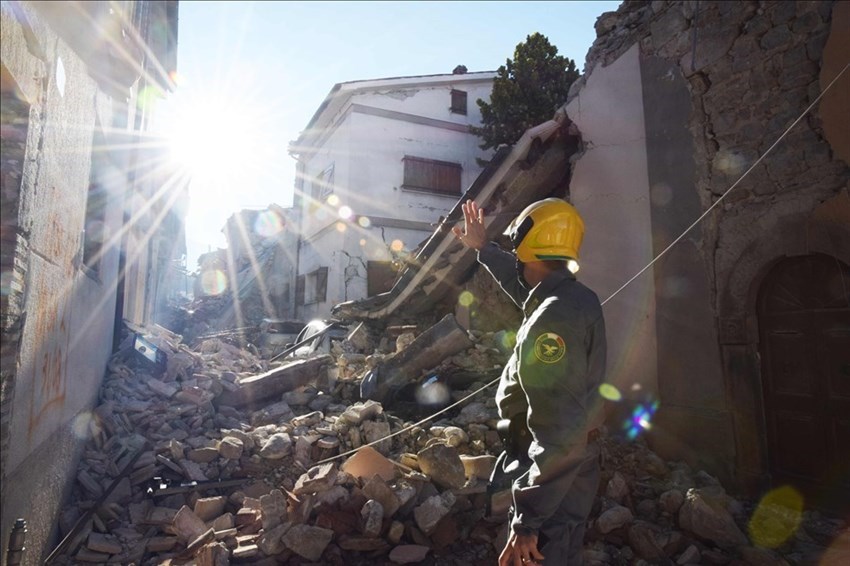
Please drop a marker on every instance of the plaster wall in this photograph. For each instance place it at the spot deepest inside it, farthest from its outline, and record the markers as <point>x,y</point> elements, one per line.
<point>366,145</point>
<point>378,178</point>
<point>610,188</point>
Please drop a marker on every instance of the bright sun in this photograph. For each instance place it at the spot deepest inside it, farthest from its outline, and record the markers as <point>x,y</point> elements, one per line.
<point>213,141</point>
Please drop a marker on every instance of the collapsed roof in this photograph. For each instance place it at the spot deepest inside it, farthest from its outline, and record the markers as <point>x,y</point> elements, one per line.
<point>536,167</point>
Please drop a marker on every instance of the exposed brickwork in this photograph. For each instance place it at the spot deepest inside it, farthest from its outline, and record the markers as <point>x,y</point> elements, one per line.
<point>13,257</point>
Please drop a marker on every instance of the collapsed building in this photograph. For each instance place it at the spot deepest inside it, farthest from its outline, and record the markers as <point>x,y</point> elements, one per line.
<point>220,455</point>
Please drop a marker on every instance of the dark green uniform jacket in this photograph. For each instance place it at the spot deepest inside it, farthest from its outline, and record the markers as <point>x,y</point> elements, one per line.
<point>553,376</point>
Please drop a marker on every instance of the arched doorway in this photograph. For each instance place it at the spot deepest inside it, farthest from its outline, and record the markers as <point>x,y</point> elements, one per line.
<point>804,328</point>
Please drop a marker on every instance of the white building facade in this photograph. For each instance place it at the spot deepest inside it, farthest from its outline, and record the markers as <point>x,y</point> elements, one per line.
<point>378,165</point>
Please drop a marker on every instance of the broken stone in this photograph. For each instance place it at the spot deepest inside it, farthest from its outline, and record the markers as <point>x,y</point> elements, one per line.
<point>271,541</point>
<point>359,412</point>
<point>432,510</point>
<point>208,508</point>
<point>378,490</point>
<point>367,463</point>
<point>187,526</point>
<point>160,544</point>
<point>275,382</point>
<point>273,414</point>
<point>242,552</point>
<point>362,544</point>
<point>373,514</point>
<point>614,518</point>
<point>160,387</point>
<point>276,446</point>
<point>691,555</point>
<point>706,517</point>
<point>231,448</point>
<point>617,488</point>
<point>439,342</point>
<point>86,555</point>
<point>224,522</point>
<point>443,464</point>
<point>202,455</point>
<point>671,500</point>
<point>642,540</point>
<point>374,432</point>
<point>395,532</point>
<point>317,478</point>
<point>409,554</point>
<point>213,554</point>
<point>273,506</point>
<point>480,467</point>
<point>192,471</point>
<point>98,542</point>
<point>307,541</point>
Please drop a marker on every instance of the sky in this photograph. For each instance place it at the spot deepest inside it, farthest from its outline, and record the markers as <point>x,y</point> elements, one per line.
<point>250,75</point>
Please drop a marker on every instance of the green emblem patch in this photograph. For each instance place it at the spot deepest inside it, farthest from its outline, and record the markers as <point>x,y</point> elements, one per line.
<point>549,348</point>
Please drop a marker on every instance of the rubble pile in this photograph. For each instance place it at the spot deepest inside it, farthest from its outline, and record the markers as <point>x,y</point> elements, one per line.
<point>171,474</point>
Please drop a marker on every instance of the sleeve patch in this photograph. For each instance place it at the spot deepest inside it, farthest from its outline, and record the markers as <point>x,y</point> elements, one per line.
<point>549,348</point>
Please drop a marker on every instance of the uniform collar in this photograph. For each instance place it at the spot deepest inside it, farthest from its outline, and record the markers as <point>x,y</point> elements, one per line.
<point>545,288</point>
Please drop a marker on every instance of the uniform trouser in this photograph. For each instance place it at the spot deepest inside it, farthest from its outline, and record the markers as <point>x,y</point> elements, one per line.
<point>561,537</point>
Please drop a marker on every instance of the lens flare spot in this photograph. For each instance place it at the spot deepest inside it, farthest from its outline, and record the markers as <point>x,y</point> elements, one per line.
<point>345,212</point>
<point>573,266</point>
<point>268,224</point>
<point>640,419</point>
<point>508,340</point>
<point>362,242</point>
<point>333,200</point>
<point>341,227</point>
<point>213,282</point>
<point>610,392</point>
<point>432,392</point>
<point>177,78</point>
<point>729,162</point>
<point>637,387</point>
<point>364,222</point>
<point>81,425</point>
<point>397,245</point>
<point>465,299</point>
<point>777,517</point>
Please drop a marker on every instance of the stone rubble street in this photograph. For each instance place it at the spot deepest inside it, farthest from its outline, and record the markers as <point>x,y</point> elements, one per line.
<point>419,497</point>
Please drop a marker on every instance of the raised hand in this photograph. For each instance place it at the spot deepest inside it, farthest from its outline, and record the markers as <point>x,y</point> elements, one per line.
<point>473,235</point>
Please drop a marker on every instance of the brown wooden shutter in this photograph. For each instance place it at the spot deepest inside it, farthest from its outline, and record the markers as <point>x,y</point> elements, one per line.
<point>432,175</point>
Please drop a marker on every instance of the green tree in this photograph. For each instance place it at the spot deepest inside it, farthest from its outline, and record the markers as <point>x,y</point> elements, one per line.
<point>526,92</point>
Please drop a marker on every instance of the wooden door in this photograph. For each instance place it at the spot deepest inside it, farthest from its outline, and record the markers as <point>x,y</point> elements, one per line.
<point>804,322</point>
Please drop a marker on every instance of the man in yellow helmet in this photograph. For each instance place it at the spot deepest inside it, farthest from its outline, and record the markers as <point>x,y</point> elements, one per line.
<point>549,387</point>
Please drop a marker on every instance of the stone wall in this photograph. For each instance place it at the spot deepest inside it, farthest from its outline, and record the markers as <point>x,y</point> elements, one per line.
<point>721,82</point>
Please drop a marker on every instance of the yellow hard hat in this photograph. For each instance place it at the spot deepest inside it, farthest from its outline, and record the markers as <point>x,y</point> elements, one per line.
<point>550,229</point>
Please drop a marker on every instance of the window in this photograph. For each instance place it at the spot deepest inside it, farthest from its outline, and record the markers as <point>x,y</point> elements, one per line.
<point>432,175</point>
<point>312,287</point>
<point>380,276</point>
<point>458,102</point>
<point>323,184</point>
